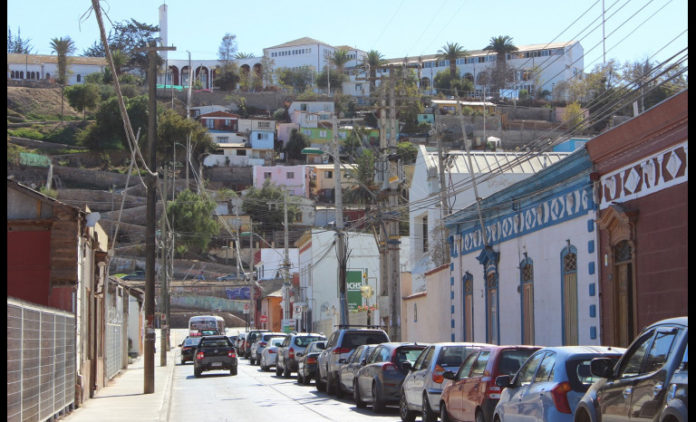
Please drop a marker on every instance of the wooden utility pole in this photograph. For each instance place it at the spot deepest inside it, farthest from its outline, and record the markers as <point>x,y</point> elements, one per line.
<point>151,219</point>
<point>340,241</point>
<point>393,224</point>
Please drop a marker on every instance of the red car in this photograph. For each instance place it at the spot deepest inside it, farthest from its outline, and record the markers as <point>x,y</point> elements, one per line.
<point>472,394</point>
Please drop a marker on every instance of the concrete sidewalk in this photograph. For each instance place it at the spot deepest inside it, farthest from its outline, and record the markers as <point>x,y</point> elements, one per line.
<point>123,398</point>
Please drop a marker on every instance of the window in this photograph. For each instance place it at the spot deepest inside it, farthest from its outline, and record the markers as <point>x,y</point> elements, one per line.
<point>223,139</point>
<point>468,280</point>
<point>209,123</point>
<point>632,360</point>
<point>328,174</point>
<point>545,372</point>
<point>241,152</point>
<point>79,78</point>
<point>264,125</point>
<point>415,312</point>
<point>527,371</point>
<point>267,175</point>
<point>420,362</point>
<point>527,299</point>
<point>322,133</point>
<point>657,356</point>
<point>465,368</point>
<point>290,175</point>
<point>480,365</point>
<point>424,232</point>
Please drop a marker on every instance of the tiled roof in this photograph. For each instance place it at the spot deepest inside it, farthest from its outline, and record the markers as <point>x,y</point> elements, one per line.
<point>299,41</point>
<point>37,59</point>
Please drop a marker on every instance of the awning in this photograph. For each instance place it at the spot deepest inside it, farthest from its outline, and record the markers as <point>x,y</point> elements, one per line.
<point>312,151</point>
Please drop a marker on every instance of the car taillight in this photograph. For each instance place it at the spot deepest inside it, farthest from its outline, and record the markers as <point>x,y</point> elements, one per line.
<point>231,354</point>
<point>200,355</point>
<point>492,391</point>
<point>311,360</point>
<point>389,367</point>
<point>291,353</point>
<point>262,344</point>
<point>185,349</point>
<point>271,351</point>
<point>560,397</point>
<point>340,350</point>
<point>437,374</point>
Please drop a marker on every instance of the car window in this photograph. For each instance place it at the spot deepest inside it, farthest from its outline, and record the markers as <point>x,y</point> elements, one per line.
<point>409,355</point>
<point>480,364</point>
<point>286,341</point>
<point>377,355</point>
<point>527,371</point>
<point>222,342</point>
<point>685,358</point>
<point>192,341</point>
<point>631,363</point>
<point>453,355</point>
<point>419,362</point>
<point>465,367</point>
<point>545,372</point>
<point>304,341</point>
<point>511,360</point>
<point>657,356</point>
<point>356,354</point>
<point>277,341</point>
<point>355,339</point>
<point>332,339</point>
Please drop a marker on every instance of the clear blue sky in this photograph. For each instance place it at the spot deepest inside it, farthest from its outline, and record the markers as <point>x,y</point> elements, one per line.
<point>395,28</point>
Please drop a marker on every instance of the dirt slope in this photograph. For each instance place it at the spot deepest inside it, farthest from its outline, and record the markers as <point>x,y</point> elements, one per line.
<point>37,102</point>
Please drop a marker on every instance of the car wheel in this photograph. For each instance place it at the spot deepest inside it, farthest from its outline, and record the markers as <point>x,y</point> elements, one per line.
<point>320,385</point>
<point>183,362</point>
<point>479,416</point>
<point>330,385</point>
<point>251,360</point>
<point>300,378</point>
<point>444,417</point>
<point>286,372</point>
<point>406,414</point>
<point>233,371</point>
<point>356,396</point>
<point>279,370</point>
<point>427,415</point>
<point>377,400</point>
<point>306,380</point>
<point>196,372</point>
<point>338,388</point>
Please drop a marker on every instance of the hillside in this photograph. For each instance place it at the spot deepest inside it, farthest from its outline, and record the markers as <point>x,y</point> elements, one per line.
<point>36,104</point>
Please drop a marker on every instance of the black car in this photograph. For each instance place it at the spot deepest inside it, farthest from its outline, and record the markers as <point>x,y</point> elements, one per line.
<point>214,353</point>
<point>638,385</point>
<point>188,347</point>
<point>307,364</point>
<point>676,403</point>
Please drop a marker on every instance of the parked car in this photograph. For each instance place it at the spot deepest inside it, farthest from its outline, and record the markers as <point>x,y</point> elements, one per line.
<point>292,348</point>
<point>188,347</point>
<point>423,385</point>
<point>675,408</point>
<point>347,373</point>
<point>473,395</point>
<point>307,364</point>
<point>250,339</point>
<point>269,355</point>
<point>261,342</point>
<point>549,384</point>
<point>233,339</point>
<point>379,380</point>
<point>638,385</point>
<point>339,346</point>
<point>215,352</point>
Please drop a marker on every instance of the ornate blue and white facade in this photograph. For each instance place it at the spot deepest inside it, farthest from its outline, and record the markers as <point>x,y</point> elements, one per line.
<point>535,279</point>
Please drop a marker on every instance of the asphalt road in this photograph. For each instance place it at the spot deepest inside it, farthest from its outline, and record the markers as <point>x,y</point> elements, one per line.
<point>257,396</point>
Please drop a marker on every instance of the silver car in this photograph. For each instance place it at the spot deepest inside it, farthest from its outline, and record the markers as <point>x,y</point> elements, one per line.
<point>422,387</point>
<point>261,342</point>
<point>269,356</point>
<point>292,349</point>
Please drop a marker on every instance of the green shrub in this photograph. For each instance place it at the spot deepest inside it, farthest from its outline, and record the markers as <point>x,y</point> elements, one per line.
<point>26,132</point>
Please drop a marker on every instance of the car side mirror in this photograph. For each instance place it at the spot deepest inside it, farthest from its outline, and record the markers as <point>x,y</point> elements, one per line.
<point>407,366</point>
<point>503,381</point>
<point>342,361</point>
<point>449,375</point>
<point>602,367</point>
<point>363,362</point>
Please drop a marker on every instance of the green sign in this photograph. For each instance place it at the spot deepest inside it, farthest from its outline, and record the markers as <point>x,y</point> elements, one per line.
<point>354,281</point>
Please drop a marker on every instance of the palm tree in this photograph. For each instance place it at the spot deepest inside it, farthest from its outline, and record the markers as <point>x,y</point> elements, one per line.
<point>339,59</point>
<point>62,47</point>
<point>244,56</point>
<point>372,61</point>
<point>501,45</point>
<point>452,52</point>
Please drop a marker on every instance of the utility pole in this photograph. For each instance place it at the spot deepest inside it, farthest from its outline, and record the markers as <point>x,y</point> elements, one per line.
<point>163,281</point>
<point>444,205</point>
<point>286,261</point>
<point>393,224</point>
<point>151,218</point>
<point>340,241</point>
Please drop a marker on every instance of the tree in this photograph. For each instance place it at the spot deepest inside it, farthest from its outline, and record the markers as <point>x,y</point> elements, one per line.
<point>452,52</point>
<point>128,36</point>
<point>407,151</point>
<point>173,127</point>
<point>501,45</point>
<point>192,218</point>
<point>266,75</point>
<point>297,80</point>
<point>227,77</point>
<point>16,44</point>
<point>266,206</point>
<point>336,78</point>
<point>107,133</point>
<point>364,191</point>
<point>445,82</point>
<point>82,96</point>
<point>62,47</point>
<point>372,62</point>
<point>297,142</point>
<point>244,56</point>
<point>228,47</point>
<point>339,58</point>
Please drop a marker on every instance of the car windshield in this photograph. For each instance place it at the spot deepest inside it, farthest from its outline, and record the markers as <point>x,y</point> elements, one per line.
<point>215,342</point>
<point>404,354</point>
<point>352,340</point>
<point>453,356</point>
<point>304,341</point>
<point>277,341</point>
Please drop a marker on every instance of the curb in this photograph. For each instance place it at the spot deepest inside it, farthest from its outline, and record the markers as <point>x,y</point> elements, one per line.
<point>165,409</point>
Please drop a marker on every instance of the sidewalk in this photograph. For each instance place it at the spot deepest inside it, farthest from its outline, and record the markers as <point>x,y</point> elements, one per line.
<point>123,398</point>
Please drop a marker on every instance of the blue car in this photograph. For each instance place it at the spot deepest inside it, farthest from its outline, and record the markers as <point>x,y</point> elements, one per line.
<point>549,385</point>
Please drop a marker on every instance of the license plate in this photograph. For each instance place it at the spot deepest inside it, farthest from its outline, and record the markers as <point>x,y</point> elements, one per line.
<point>216,364</point>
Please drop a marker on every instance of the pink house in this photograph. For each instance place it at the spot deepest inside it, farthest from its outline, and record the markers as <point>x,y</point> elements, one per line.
<point>294,178</point>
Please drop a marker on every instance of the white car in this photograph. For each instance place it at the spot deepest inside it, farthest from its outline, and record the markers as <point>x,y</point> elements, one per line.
<point>269,356</point>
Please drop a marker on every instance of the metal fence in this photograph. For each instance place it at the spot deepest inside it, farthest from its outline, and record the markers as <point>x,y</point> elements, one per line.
<point>40,361</point>
<point>114,330</point>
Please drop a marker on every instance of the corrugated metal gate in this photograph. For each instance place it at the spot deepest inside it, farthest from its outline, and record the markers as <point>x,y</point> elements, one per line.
<point>114,328</point>
<point>40,361</point>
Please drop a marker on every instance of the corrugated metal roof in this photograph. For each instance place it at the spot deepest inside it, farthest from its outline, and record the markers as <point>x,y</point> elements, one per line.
<point>497,162</point>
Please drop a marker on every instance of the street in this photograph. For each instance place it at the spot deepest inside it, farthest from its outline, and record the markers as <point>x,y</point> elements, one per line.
<point>256,396</point>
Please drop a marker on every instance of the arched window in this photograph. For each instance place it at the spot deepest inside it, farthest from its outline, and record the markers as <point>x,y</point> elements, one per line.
<point>468,291</point>
<point>527,299</point>
<point>569,295</point>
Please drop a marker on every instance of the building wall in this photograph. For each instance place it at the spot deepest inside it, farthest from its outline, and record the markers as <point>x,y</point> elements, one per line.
<point>426,316</point>
<point>29,266</point>
<point>279,176</point>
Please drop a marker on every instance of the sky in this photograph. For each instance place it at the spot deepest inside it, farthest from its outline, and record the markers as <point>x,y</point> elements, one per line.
<point>634,29</point>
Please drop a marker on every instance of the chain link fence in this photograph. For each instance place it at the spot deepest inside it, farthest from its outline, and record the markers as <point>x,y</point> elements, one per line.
<point>40,361</point>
